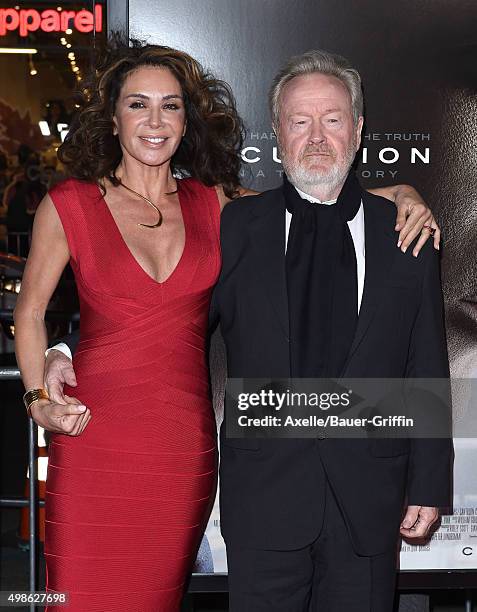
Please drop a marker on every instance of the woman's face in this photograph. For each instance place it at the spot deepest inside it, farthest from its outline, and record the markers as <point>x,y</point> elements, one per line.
<point>149,118</point>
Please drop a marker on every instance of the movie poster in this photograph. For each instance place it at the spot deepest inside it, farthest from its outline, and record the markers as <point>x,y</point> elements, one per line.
<point>417,61</point>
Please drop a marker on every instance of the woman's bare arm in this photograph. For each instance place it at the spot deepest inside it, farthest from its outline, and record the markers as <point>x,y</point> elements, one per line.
<point>48,257</point>
<point>413,216</point>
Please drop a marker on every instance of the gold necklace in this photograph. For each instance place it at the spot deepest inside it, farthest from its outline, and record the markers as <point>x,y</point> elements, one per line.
<point>156,208</point>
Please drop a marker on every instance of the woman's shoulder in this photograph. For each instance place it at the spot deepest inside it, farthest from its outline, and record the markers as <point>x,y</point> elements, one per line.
<point>71,190</point>
<point>72,195</point>
<point>72,184</point>
<point>193,185</point>
<point>196,189</point>
<point>197,193</point>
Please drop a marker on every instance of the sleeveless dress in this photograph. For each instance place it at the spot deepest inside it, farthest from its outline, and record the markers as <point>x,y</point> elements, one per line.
<point>127,501</point>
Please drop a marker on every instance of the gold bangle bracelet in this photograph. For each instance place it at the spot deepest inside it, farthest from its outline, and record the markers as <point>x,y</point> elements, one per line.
<point>33,396</point>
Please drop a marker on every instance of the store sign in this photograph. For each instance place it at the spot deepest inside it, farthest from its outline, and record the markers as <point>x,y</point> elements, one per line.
<point>49,20</point>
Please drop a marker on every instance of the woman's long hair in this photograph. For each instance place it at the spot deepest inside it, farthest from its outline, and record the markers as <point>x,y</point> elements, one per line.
<point>209,151</point>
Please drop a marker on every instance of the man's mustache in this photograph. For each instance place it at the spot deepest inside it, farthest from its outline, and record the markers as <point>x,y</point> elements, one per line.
<point>323,149</point>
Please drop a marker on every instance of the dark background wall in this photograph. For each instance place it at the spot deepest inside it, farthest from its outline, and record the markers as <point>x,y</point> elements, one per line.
<point>418,60</point>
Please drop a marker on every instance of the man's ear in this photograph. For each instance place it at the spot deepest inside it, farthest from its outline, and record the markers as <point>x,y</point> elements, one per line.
<point>359,129</point>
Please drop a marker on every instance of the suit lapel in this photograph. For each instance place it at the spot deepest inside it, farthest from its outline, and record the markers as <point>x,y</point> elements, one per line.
<point>267,232</point>
<point>380,250</point>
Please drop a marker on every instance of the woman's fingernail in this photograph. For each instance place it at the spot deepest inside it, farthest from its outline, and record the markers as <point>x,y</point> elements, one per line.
<point>399,243</point>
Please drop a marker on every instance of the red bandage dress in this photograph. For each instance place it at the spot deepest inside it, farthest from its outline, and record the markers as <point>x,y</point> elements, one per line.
<point>127,501</point>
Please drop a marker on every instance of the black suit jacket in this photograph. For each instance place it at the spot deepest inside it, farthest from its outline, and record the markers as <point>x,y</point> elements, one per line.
<point>272,490</point>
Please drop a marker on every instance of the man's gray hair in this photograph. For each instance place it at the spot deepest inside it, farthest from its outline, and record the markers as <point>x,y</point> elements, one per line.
<point>320,62</point>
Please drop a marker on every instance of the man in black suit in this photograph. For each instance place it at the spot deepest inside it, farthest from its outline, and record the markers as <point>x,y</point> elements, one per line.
<point>314,524</point>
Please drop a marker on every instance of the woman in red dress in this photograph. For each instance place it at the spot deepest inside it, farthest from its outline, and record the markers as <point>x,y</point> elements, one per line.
<point>129,489</point>
<point>132,476</point>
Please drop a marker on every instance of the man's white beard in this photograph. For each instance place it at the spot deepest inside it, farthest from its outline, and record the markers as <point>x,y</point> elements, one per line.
<point>329,180</point>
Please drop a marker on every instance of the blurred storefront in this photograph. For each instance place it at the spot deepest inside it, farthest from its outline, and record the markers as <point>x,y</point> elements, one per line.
<point>46,49</point>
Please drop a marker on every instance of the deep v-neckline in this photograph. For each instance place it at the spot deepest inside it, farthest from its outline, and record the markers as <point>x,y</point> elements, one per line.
<point>131,255</point>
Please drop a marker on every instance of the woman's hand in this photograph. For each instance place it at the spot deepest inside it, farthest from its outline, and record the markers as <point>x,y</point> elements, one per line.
<point>413,217</point>
<point>69,418</point>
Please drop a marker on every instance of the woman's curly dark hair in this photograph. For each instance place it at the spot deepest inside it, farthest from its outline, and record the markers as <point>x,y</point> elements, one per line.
<point>209,151</point>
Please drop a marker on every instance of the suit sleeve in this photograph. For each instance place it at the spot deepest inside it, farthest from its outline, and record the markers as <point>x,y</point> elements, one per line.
<point>430,465</point>
<point>71,340</point>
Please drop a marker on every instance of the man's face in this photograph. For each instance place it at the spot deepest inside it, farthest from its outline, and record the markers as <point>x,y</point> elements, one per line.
<point>316,134</point>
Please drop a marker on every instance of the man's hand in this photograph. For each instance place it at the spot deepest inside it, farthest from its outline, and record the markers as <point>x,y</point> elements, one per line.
<point>413,217</point>
<point>418,521</point>
<point>69,418</point>
<point>58,372</point>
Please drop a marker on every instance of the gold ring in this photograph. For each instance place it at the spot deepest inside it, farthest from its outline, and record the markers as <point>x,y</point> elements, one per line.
<point>432,230</point>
